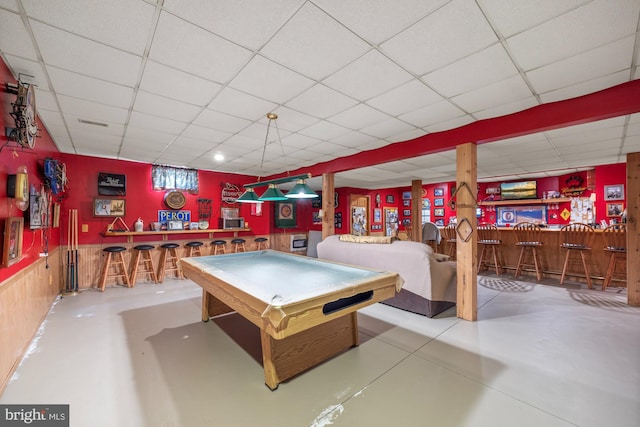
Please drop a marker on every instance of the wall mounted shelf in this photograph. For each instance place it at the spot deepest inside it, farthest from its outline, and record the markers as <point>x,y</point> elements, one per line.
<point>525,202</point>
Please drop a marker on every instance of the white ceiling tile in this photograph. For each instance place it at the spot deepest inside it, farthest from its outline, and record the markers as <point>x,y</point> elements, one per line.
<point>250,23</point>
<point>160,124</point>
<point>133,20</point>
<point>92,111</point>
<point>196,51</point>
<point>452,32</point>
<point>29,72</point>
<point>594,24</point>
<point>149,103</point>
<point>296,141</point>
<point>478,70</point>
<point>388,128</point>
<point>504,109</point>
<point>446,124</point>
<point>410,96</point>
<point>587,128</point>
<point>45,101</point>
<point>321,101</point>
<point>584,88</point>
<point>359,117</point>
<point>325,130</point>
<point>270,81</point>
<point>236,103</point>
<point>503,92</point>
<point>378,20</point>
<point>150,135</point>
<point>595,63</point>
<point>221,121</point>
<point>79,86</point>
<point>206,134</point>
<point>178,85</point>
<point>83,56</point>
<point>54,123</point>
<point>357,139</point>
<point>292,120</point>
<point>9,4</point>
<point>298,45</point>
<point>511,17</point>
<point>432,114</point>
<point>406,136</point>
<point>15,38</point>
<point>368,76</point>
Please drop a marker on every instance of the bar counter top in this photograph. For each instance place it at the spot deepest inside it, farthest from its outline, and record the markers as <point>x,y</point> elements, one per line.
<point>165,233</point>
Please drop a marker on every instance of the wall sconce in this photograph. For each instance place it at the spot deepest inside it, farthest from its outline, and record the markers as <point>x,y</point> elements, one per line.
<point>18,187</point>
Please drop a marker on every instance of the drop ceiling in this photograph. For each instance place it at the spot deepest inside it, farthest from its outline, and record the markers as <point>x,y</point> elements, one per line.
<point>179,81</point>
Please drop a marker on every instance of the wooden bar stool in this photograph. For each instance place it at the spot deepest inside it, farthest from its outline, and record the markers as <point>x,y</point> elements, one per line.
<point>143,263</point>
<point>615,243</point>
<point>193,249</point>
<point>169,261</point>
<point>576,238</point>
<point>261,243</point>
<point>218,247</point>
<point>529,239</point>
<point>115,259</point>
<point>449,234</point>
<point>238,245</point>
<point>489,239</point>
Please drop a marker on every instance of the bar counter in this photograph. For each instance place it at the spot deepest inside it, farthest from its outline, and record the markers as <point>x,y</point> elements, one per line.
<point>552,256</point>
<point>166,233</point>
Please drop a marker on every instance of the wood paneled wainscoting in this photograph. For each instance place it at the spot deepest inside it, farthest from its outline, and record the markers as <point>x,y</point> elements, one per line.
<point>552,257</point>
<point>25,300</point>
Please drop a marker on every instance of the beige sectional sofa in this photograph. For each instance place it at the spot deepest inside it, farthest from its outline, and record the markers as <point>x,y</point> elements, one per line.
<point>429,286</point>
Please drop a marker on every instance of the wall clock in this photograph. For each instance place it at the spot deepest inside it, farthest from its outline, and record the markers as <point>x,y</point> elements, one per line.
<point>175,199</point>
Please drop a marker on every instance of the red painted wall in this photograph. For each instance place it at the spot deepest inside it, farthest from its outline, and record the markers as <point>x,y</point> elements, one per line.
<point>11,157</point>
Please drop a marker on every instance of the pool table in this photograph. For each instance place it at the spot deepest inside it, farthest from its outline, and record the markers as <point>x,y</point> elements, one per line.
<point>306,308</point>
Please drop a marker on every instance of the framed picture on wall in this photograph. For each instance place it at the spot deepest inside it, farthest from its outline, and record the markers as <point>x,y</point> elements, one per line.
<point>108,207</point>
<point>438,212</point>
<point>406,203</point>
<point>406,195</point>
<point>406,212</point>
<point>12,249</point>
<point>285,214</point>
<point>438,192</point>
<point>390,199</point>
<point>377,215</point>
<point>614,209</point>
<point>440,222</point>
<point>614,192</point>
<point>438,202</point>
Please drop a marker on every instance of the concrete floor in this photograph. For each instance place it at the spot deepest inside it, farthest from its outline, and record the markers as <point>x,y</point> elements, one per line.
<point>539,355</point>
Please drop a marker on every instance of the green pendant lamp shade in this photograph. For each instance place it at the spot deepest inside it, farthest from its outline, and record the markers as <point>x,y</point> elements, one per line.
<point>249,196</point>
<point>273,194</point>
<point>301,191</point>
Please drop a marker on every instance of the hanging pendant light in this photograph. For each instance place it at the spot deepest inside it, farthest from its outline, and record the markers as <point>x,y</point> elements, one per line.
<point>273,194</point>
<point>249,196</point>
<point>301,191</point>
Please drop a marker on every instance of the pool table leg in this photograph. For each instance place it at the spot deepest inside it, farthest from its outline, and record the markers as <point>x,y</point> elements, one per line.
<point>212,306</point>
<point>285,358</point>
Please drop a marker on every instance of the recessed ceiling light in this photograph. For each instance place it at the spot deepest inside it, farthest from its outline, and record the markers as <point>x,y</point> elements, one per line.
<point>219,157</point>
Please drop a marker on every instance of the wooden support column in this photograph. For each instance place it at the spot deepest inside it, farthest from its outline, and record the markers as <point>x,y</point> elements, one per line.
<point>467,278</point>
<point>328,206</point>
<point>633,228</point>
<point>416,210</point>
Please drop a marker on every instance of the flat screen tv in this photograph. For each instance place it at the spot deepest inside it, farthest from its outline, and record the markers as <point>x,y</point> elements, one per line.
<point>518,190</point>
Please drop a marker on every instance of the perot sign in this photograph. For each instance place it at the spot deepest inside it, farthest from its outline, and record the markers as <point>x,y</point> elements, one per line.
<point>230,192</point>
